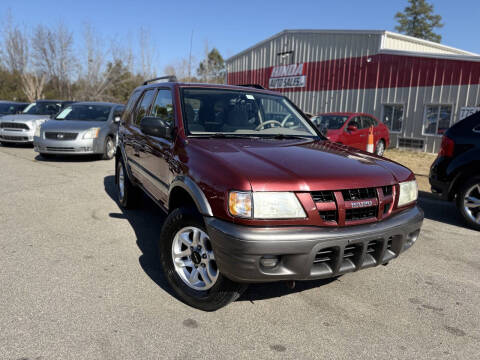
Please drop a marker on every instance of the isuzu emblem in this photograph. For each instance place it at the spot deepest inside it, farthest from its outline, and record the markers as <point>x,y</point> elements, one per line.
<point>59,136</point>
<point>360,204</point>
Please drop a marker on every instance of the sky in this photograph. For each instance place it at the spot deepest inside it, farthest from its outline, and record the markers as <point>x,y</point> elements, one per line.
<point>232,26</point>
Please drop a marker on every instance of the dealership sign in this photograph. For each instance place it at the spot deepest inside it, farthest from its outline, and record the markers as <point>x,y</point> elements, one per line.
<point>287,76</point>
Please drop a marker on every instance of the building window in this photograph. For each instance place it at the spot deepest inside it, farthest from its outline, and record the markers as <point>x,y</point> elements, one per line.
<point>437,119</point>
<point>393,117</point>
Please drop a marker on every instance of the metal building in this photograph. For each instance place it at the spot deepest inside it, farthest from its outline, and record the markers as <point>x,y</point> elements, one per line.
<point>417,88</point>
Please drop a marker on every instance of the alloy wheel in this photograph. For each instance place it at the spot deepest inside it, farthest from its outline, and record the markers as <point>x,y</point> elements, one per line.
<point>121,181</point>
<point>193,258</point>
<point>471,203</point>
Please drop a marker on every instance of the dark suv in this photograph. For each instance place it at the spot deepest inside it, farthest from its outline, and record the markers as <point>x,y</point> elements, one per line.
<point>252,196</point>
<point>455,174</point>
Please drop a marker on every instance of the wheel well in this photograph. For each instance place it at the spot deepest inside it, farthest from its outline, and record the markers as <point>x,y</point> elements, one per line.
<point>180,197</point>
<point>460,179</point>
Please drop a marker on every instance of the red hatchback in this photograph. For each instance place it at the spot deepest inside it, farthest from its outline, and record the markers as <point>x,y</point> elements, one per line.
<point>352,129</point>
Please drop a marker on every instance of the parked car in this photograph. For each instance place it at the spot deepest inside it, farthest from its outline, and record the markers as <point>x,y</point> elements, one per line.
<point>253,199</point>
<point>11,107</point>
<point>455,174</point>
<point>83,128</point>
<point>352,129</point>
<point>20,128</point>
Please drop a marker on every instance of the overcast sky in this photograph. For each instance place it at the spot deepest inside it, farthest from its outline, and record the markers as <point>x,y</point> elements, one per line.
<point>232,26</point>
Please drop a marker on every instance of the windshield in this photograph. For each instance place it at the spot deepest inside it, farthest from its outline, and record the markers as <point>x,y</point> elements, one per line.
<point>241,113</point>
<point>8,108</point>
<point>332,122</point>
<point>42,108</point>
<point>85,113</point>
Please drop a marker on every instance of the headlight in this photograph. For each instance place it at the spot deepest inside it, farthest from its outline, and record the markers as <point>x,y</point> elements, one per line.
<point>265,205</point>
<point>408,193</point>
<point>91,133</point>
<point>37,130</point>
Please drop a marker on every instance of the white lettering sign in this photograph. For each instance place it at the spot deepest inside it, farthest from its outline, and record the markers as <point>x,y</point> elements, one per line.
<point>467,111</point>
<point>287,76</point>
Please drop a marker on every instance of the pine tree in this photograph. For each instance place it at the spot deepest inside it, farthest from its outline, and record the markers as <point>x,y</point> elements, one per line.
<point>419,20</point>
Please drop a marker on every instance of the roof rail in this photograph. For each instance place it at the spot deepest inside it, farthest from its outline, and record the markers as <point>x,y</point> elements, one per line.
<point>256,86</point>
<point>169,78</point>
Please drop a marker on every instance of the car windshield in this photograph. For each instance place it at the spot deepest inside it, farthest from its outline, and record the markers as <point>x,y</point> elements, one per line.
<point>7,109</point>
<point>233,113</point>
<point>42,108</point>
<point>85,113</point>
<point>331,122</point>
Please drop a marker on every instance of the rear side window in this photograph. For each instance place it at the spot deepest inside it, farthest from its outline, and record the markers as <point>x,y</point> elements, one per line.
<point>127,115</point>
<point>163,106</point>
<point>143,106</point>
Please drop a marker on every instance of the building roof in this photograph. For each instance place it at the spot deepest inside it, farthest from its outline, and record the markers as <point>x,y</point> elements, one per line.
<point>390,41</point>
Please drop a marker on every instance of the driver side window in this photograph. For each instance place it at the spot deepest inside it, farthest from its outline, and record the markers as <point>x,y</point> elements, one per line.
<point>355,122</point>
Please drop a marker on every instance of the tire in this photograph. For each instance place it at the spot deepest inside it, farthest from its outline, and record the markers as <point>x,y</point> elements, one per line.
<point>108,149</point>
<point>219,291</point>
<point>47,156</point>
<point>380,148</point>
<point>129,195</point>
<point>471,213</point>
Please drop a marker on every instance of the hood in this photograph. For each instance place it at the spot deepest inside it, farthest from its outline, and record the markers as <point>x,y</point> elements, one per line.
<point>301,165</point>
<point>21,118</point>
<point>71,125</point>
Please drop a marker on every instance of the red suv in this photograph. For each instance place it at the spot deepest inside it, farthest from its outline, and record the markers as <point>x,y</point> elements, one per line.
<point>352,129</point>
<point>254,193</point>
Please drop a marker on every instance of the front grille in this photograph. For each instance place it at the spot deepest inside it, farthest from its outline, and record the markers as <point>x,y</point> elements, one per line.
<point>359,194</point>
<point>361,214</point>
<point>352,251</point>
<point>60,136</point>
<point>387,190</point>
<point>14,138</point>
<point>323,196</point>
<point>326,256</point>
<point>70,149</point>
<point>6,125</point>
<point>329,215</point>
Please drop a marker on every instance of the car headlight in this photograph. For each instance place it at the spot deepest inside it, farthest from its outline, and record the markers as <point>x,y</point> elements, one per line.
<point>91,133</point>
<point>37,130</point>
<point>408,193</point>
<point>265,205</point>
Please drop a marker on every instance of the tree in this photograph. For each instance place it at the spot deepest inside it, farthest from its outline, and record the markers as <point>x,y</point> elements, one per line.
<point>212,68</point>
<point>419,20</point>
<point>15,43</point>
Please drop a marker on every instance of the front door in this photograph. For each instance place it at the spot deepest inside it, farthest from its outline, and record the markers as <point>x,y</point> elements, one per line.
<point>354,138</point>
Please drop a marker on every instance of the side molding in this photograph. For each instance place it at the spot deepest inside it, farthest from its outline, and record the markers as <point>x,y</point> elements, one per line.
<point>194,191</point>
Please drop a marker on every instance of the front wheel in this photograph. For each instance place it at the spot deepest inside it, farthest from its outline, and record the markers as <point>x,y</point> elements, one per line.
<point>108,149</point>
<point>468,202</point>
<point>128,194</point>
<point>188,262</point>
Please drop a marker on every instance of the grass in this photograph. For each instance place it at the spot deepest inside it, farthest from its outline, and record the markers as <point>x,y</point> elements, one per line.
<point>418,162</point>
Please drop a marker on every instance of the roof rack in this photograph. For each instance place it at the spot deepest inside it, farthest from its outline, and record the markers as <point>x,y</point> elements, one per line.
<point>256,86</point>
<point>169,78</point>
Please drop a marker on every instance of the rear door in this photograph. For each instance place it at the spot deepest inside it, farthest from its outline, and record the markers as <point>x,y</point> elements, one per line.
<point>157,160</point>
<point>353,138</point>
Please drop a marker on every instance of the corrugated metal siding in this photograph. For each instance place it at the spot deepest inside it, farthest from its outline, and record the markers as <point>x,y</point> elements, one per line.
<point>395,42</point>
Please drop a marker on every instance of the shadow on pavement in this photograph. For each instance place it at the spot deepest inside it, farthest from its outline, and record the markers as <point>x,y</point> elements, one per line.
<point>439,210</point>
<point>147,222</point>
<point>68,158</point>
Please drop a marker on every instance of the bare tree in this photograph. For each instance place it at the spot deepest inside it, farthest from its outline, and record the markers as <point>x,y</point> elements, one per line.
<point>33,86</point>
<point>181,69</point>
<point>15,43</point>
<point>53,55</point>
<point>147,53</point>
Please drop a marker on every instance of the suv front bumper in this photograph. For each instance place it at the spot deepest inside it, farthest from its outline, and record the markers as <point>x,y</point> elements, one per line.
<point>309,252</point>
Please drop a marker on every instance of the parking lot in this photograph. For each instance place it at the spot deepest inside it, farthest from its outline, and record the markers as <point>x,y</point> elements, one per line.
<point>80,280</point>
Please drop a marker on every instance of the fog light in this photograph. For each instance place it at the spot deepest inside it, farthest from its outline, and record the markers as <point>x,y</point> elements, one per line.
<point>269,261</point>
<point>412,237</point>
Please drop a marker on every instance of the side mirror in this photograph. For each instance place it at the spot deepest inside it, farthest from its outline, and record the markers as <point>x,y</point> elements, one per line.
<point>351,128</point>
<point>155,126</point>
<point>116,119</point>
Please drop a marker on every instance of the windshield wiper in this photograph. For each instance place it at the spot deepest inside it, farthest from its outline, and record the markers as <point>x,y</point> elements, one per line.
<point>225,136</point>
<point>289,136</point>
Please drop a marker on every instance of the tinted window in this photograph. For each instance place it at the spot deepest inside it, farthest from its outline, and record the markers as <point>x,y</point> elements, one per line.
<point>127,115</point>
<point>393,117</point>
<point>333,122</point>
<point>163,106</point>
<point>143,105</point>
<point>7,109</point>
<point>85,113</point>
<point>356,121</point>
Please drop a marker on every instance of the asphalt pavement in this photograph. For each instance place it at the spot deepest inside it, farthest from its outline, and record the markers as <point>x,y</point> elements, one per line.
<point>79,279</point>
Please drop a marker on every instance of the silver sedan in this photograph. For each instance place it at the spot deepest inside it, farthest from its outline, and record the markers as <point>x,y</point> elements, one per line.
<point>81,128</point>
